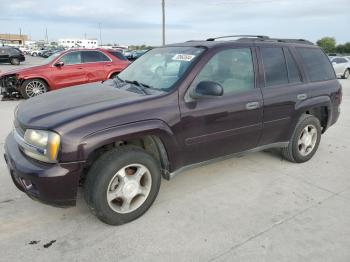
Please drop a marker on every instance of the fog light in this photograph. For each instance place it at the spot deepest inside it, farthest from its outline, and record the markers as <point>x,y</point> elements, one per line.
<point>26,183</point>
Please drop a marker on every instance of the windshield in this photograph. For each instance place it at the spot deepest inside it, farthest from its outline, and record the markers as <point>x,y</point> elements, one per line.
<point>50,58</point>
<point>160,68</point>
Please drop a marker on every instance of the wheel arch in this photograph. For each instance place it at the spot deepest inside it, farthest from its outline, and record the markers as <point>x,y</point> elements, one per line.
<point>45,80</point>
<point>155,137</point>
<point>320,107</point>
<point>113,73</point>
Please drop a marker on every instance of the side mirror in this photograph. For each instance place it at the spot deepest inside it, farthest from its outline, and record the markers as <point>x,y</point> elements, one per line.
<point>207,89</point>
<point>59,64</point>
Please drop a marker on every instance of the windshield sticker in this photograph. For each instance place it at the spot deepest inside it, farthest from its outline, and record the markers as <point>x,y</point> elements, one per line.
<point>183,57</point>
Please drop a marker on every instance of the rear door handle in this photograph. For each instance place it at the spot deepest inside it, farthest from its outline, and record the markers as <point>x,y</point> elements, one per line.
<point>252,105</point>
<point>301,96</point>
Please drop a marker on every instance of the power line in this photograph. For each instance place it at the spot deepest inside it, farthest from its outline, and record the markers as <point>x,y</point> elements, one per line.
<point>163,22</point>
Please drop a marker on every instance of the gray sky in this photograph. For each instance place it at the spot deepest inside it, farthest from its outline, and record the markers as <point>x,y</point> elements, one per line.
<point>139,22</point>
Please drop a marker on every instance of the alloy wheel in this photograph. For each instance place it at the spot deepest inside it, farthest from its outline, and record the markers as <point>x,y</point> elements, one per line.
<point>34,88</point>
<point>307,140</point>
<point>129,188</point>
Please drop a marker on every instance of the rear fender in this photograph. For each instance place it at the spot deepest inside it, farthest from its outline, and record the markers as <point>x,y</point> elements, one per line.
<point>307,105</point>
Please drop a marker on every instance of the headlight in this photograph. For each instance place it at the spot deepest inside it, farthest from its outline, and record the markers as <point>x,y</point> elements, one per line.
<point>46,144</point>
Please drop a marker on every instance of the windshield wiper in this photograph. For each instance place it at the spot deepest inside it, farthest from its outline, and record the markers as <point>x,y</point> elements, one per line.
<point>140,86</point>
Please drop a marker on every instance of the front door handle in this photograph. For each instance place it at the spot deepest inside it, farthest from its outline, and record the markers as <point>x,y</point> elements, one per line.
<point>301,96</point>
<point>252,105</point>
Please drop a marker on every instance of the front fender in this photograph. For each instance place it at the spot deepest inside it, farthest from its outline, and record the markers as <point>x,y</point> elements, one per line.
<point>22,78</point>
<point>135,130</point>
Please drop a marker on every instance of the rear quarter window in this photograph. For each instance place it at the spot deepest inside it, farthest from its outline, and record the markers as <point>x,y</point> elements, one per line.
<point>118,55</point>
<point>316,64</point>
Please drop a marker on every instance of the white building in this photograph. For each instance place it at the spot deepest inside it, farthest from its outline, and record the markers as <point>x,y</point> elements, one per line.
<point>75,42</point>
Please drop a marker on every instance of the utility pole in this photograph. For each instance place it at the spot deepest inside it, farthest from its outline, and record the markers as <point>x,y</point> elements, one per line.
<point>163,22</point>
<point>99,25</point>
<point>20,37</point>
<point>46,36</point>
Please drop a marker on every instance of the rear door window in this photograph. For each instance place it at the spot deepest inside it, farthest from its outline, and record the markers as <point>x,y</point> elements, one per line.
<point>275,67</point>
<point>316,64</point>
<point>293,71</point>
<point>94,56</point>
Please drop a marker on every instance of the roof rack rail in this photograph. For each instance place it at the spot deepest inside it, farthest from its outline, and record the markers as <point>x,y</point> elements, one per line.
<point>263,38</point>
<point>289,40</point>
<point>246,36</point>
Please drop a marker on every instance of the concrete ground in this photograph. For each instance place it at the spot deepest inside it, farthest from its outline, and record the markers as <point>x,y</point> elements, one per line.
<point>255,208</point>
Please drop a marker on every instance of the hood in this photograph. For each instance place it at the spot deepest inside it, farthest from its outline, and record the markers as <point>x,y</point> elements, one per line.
<point>23,70</point>
<point>58,107</point>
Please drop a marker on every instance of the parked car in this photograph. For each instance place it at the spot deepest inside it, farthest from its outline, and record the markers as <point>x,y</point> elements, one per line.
<point>133,55</point>
<point>11,55</point>
<point>25,50</point>
<point>49,52</point>
<point>119,138</point>
<point>341,66</point>
<point>63,69</point>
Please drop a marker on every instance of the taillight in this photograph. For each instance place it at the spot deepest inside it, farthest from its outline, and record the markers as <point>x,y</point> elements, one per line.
<point>339,95</point>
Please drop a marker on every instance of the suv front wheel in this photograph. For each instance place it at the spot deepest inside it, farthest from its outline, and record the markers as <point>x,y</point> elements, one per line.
<point>305,140</point>
<point>122,185</point>
<point>33,87</point>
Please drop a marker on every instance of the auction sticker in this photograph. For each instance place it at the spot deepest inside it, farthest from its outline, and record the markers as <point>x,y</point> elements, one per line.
<point>183,57</point>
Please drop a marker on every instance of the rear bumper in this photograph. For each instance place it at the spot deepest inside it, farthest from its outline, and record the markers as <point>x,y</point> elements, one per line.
<point>53,184</point>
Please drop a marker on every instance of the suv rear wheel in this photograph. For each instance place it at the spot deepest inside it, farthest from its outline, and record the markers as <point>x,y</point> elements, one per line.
<point>122,185</point>
<point>33,87</point>
<point>305,140</point>
<point>346,74</point>
<point>14,61</point>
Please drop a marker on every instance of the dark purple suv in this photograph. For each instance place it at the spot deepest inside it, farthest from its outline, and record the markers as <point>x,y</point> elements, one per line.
<point>175,107</point>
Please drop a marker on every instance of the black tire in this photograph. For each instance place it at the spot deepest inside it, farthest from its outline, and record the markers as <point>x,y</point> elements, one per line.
<point>102,172</point>
<point>292,152</point>
<point>346,74</point>
<point>114,75</point>
<point>24,90</point>
<point>15,61</point>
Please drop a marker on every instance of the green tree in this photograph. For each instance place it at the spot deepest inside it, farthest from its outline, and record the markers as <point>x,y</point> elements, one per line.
<point>328,44</point>
<point>347,48</point>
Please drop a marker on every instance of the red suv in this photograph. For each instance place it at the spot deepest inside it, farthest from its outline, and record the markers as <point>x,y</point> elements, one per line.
<point>63,69</point>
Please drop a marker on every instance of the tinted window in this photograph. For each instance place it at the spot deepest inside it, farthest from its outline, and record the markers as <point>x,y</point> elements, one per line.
<point>94,56</point>
<point>339,60</point>
<point>118,55</point>
<point>71,58</point>
<point>293,72</point>
<point>274,66</point>
<point>161,68</point>
<point>232,68</point>
<point>316,63</point>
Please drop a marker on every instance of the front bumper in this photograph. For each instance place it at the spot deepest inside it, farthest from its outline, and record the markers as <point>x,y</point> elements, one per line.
<point>9,86</point>
<point>53,184</point>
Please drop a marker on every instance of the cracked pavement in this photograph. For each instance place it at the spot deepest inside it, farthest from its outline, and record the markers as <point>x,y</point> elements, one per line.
<point>258,207</point>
